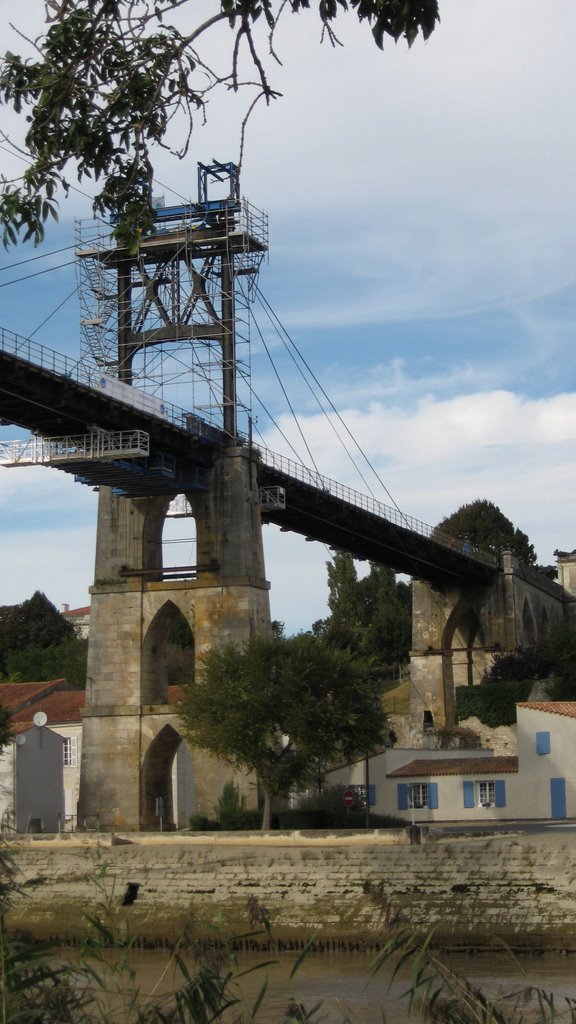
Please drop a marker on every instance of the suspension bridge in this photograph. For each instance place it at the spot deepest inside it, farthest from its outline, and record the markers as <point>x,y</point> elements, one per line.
<point>177,311</point>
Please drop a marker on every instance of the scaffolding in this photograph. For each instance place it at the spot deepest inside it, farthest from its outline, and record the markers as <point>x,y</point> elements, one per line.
<point>100,445</point>
<point>173,318</point>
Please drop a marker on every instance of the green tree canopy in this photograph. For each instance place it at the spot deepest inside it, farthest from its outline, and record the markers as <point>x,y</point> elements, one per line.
<point>282,707</point>
<point>35,664</point>
<point>483,524</point>
<point>108,80</point>
<point>371,617</point>
<point>34,623</point>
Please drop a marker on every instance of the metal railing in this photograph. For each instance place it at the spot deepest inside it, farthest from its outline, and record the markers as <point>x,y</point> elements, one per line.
<point>76,370</point>
<point>392,515</point>
<point>96,446</point>
<point>54,362</point>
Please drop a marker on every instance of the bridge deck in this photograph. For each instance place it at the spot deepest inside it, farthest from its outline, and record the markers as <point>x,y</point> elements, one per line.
<point>45,393</point>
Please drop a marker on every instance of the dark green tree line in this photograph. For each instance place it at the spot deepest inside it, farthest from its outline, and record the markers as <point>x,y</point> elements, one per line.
<point>38,643</point>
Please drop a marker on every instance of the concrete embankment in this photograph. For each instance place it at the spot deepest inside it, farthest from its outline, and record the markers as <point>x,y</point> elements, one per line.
<point>347,890</point>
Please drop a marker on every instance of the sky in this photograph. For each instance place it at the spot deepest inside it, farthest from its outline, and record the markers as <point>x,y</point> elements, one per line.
<point>422,244</point>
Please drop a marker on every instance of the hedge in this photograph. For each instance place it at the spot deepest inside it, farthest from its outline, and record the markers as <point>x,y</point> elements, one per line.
<point>493,703</point>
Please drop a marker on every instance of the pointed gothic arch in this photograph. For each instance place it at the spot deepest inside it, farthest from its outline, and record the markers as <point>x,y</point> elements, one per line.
<point>529,630</point>
<point>154,675</point>
<point>157,779</point>
<point>464,639</point>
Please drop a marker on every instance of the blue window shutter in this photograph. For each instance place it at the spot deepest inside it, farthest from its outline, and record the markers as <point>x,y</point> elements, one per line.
<point>468,794</point>
<point>500,792</point>
<point>433,796</point>
<point>542,742</point>
<point>371,794</point>
<point>402,796</point>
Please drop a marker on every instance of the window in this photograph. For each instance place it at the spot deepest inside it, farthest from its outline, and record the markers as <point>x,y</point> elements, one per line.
<point>487,794</point>
<point>418,794</point>
<point>415,795</point>
<point>70,751</point>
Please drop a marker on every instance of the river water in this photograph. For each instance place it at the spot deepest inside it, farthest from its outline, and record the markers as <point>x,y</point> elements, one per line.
<point>344,984</point>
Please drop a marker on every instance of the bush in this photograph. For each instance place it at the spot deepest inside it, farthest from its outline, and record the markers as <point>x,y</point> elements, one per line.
<point>517,666</point>
<point>200,823</point>
<point>327,810</point>
<point>302,818</point>
<point>233,814</point>
<point>493,705</point>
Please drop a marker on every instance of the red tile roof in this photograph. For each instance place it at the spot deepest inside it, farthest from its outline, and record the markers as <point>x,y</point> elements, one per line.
<point>76,611</point>
<point>25,699</point>
<point>64,706</point>
<point>14,696</point>
<point>554,707</point>
<point>456,766</point>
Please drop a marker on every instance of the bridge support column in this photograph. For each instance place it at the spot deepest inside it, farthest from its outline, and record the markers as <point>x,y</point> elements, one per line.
<point>457,630</point>
<point>129,624</point>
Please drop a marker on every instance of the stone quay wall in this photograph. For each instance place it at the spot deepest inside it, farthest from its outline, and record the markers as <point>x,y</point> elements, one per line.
<point>347,891</point>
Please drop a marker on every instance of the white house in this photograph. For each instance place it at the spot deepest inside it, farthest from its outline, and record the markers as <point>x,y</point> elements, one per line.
<point>427,786</point>
<point>547,754</point>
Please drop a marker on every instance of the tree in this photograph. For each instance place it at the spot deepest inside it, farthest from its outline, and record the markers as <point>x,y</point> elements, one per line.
<point>483,524</point>
<point>34,623</point>
<point>388,612</point>
<point>371,617</point>
<point>110,78</point>
<point>282,707</point>
<point>36,664</point>
<point>343,627</point>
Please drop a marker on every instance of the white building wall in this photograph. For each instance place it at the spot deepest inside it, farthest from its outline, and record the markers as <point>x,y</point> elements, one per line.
<point>7,768</point>
<point>71,772</point>
<point>451,799</point>
<point>538,769</point>
<point>385,789</point>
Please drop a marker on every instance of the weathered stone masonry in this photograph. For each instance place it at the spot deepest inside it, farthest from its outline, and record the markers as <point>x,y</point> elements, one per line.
<point>347,892</point>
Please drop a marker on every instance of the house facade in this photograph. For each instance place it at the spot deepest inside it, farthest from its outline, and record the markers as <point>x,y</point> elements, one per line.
<point>431,786</point>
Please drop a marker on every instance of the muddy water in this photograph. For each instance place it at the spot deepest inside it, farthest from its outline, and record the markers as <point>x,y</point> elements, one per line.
<point>344,984</point>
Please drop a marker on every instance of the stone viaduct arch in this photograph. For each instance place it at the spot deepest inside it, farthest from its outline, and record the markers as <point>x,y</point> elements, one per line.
<point>456,632</point>
<point>130,732</point>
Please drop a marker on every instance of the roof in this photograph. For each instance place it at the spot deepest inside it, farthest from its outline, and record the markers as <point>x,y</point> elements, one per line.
<point>60,707</point>
<point>14,696</point>
<point>456,766</point>
<point>567,708</point>
<point>76,611</point>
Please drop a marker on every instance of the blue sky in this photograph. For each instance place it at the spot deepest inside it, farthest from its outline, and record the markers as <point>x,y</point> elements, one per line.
<point>422,244</point>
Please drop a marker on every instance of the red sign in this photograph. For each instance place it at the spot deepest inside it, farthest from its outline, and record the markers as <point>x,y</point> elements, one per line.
<point>348,797</point>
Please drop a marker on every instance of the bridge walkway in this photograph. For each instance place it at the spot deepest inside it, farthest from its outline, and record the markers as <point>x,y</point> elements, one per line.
<point>55,396</point>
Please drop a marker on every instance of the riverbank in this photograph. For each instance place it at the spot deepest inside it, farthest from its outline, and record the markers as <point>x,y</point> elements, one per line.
<point>348,890</point>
